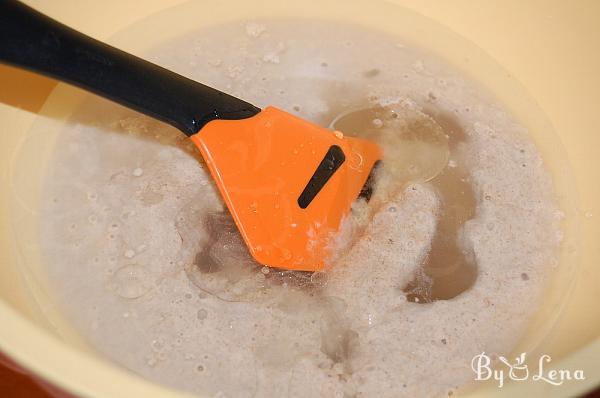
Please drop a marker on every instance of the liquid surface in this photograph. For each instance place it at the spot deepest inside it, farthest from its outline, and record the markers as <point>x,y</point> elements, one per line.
<point>417,150</point>
<point>445,261</point>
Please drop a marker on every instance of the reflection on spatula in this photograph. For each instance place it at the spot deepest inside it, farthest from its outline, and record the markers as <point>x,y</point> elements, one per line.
<point>287,182</point>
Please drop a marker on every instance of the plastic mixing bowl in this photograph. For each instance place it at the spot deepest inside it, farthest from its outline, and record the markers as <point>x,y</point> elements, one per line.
<point>540,58</point>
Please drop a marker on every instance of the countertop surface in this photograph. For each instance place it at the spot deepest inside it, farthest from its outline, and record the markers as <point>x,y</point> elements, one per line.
<point>13,385</point>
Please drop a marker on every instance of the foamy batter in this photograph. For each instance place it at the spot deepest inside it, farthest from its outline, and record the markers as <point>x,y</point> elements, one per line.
<point>153,274</point>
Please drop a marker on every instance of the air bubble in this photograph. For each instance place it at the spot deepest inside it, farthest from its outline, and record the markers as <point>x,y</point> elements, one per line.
<point>188,356</point>
<point>254,29</point>
<point>202,314</point>
<point>158,344</point>
<point>130,282</point>
<point>409,136</point>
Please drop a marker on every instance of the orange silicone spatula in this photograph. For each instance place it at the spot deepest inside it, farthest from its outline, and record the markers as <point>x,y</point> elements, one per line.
<point>287,183</point>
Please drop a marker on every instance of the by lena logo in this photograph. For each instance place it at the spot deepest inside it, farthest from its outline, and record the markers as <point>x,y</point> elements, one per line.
<point>519,371</point>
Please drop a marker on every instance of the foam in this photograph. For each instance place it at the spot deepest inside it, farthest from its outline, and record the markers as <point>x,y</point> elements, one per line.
<point>127,221</point>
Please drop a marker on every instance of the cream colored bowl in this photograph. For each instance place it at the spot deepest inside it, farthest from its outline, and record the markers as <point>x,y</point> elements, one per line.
<point>539,57</point>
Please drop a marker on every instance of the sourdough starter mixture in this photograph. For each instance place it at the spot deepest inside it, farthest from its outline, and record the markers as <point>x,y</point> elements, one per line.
<point>151,271</point>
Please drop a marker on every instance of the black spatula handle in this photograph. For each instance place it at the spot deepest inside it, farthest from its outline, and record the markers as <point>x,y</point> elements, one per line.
<point>33,41</point>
